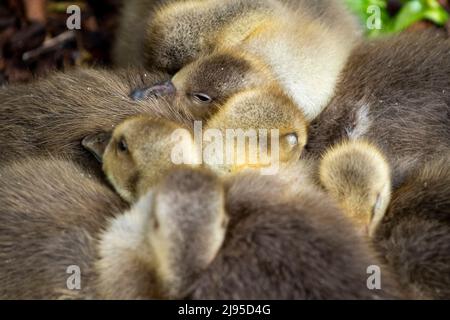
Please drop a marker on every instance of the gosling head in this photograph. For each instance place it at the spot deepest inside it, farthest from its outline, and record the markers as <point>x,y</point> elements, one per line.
<point>140,151</point>
<point>202,87</point>
<point>176,34</point>
<point>358,176</point>
<point>188,227</point>
<point>180,31</point>
<point>166,240</point>
<point>260,128</point>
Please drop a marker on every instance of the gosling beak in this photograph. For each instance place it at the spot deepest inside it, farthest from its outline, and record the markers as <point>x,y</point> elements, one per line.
<point>96,144</point>
<point>159,90</point>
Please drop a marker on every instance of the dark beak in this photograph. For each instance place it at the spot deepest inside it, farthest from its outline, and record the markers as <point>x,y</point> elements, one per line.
<point>96,144</point>
<point>159,90</point>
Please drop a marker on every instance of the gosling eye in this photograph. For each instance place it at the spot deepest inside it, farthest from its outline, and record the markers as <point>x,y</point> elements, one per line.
<point>201,98</point>
<point>292,139</point>
<point>122,145</point>
<point>172,71</point>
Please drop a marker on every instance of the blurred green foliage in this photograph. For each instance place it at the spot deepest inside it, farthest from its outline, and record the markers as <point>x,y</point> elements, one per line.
<point>411,11</point>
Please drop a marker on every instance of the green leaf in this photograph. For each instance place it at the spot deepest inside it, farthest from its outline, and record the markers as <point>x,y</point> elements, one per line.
<point>433,4</point>
<point>437,15</point>
<point>409,14</point>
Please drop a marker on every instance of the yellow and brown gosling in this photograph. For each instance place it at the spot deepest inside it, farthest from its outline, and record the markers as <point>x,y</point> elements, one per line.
<point>358,176</point>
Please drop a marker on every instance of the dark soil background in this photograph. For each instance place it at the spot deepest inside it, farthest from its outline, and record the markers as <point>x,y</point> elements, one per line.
<point>34,38</point>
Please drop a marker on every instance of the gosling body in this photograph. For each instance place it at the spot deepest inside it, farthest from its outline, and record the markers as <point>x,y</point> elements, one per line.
<point>53,115</point>
<point>358,176</point>
<point>294,39</point>
<point>90,245</point>
<point>414,236</point>
<point>394,93</point>
<point>143,148</point>
<point>52,212</point>
<point>284,213</point>
<point>289,247</point>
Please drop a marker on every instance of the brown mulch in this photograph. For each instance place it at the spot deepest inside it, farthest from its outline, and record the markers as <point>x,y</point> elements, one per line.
<point>34,38</point>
